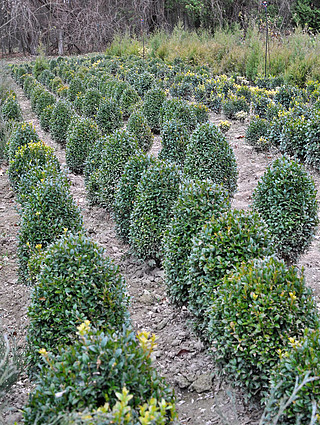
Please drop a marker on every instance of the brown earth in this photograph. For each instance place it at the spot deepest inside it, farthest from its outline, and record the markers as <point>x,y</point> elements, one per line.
<point>203,397</point>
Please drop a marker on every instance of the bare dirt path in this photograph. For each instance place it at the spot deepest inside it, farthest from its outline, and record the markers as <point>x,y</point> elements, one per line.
<point>202,397</point>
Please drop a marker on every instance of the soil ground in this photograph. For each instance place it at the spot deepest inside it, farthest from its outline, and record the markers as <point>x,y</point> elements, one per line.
<point>203,397</point>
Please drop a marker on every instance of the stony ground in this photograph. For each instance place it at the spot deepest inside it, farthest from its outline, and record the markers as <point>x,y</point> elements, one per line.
<point>203,397</point>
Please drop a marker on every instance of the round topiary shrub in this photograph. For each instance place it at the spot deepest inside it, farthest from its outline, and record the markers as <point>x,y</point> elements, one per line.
<point>61,116</point>
<point>223,243</point>
<point>197,202</point>
<point>49,211</point>
<point>76,86</point>
<point>45,117</point>
<point>97,366</point>
<point>286,199</point>
<point>129,101</point>
<point>10,109</point>
<point>252,316</point>
<point>152,106</point>
<point>139,128</point>
<point>297,376</point>
<point>37,91</point>
<point>156,193</point>
<point>27,157</point>
<point>209,156</point>
<point>119,147</point>
<point>29,83</point>
<point>257,128</point>
<point>22,134</point>
<point>109,116</point>
<point>179,109</point>
<point>233,104</point>
<point>201,112</point>
<point>82,135</point>
<point>44,99</point>
<point>126,192</point>
<point>174,141</point>
<point>76,282</point>
<point>90,102</point>
<point>56,84</point>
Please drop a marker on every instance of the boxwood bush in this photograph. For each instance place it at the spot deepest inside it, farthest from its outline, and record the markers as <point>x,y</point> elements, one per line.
<point>49,211</point>
<point>114,359</point>
<point>286,199</point>
<point>76,86</point>
<point>129,101</point>
<point>209,156</point>
<point>60,119</point>
<point>233,104</point>
<point>257,128</point>
<point>179,109</point>
<point>45,117</point>
<point>197,202</point>
<point>10,109</point>
<point>126,192</point>
<point>174,140</point>
<point>27,157</point>
<point>90,102</point>
<point>252,316</point>
<point>45,99</point>
<point>37,91</point>
<point>22,134</point>
<point>76,282</point>
<point>109,116</point>
<point>152,106</point>
<point>156,193</point>
<point>223,243</point>
<point>138,126</point>
<point>119,147</point>
<point>298,365</point>
<point>81,136</point>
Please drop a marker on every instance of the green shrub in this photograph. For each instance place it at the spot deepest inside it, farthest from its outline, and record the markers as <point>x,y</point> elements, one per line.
<point>77,103</point>
<point>29,83</point>
<point>90,102</point>
<point>257,128</point>
<point>75,283</point>
<point>45,77</point>
<point>56,84</point>
<point>201,112</point>
<point>253,314</point>
<point>39,66</point>
<point>297,367</point>
<point>286,95</point>
<point>49,211</point>
<point>10,365</point>
<point>22,134</point>
<point>126,192</point>
<point>120,146</point>
<point>174,140</point>
<point>37,91</point>
<point>109,116</point>
<point>152,106</point>
<point>286,199</point>
<point>60,120</point>
<point>137,125</point>
<point>143,82</point>
<point>197,202</point>
<point>10,109</point>
<point>233,104</point>
<point>45,117</point>
<point>129,101</point>
<point>81,136</point>
<point>156,193</point>
<point>180,110</point>
<point>45,99</point>
<point>209,156</point>
<point>76,86</point>
<point>223,243</point>
<point>114,359</point>
<point>28,156</point>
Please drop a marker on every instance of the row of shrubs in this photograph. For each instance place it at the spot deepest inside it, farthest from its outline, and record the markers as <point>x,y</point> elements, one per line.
<point>74,286</point>
<point>227,273</point>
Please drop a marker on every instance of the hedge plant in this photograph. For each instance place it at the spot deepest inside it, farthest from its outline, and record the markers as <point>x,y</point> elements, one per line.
<point>109,116</point>
<point>253,315</point>
<point>45,99</point>
<point>49,211</point>
<point>10,109</point>
<point>76,282</point>
<point>22,134</point>
<point>81,136</point>
<point>90,102</point>
<point>197,202</point>
<point>126,192</point>
<point>119,147</point>
<point>181,110</point>
<point>61,116</point>
<point>129,101</point>
<point>76,86</point>
<point>115,359</point>
<point>138,126</point>
<point>45,117</point>
<point>233,104</point>
<point>298,366</point>
<point>257,128</point>
<point>286,199</point>
<point>156,193</point>
<point>174,140</point>
<point>223,243</point>
<point>209,156</point>
<point>152,106</point>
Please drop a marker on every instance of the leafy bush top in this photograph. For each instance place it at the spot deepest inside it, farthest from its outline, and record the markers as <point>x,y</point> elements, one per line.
<point>253,314</point>
<point>23,134</point>
<point>138,126</point>
<point>60,119</point>
<point>10,109</point>
<point>152,106</point>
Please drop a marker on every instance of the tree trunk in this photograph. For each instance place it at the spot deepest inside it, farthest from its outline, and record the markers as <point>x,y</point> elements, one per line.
<point>60,42</point>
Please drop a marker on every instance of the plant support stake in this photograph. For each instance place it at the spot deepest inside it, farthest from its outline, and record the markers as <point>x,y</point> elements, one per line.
<point>265,5</point>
